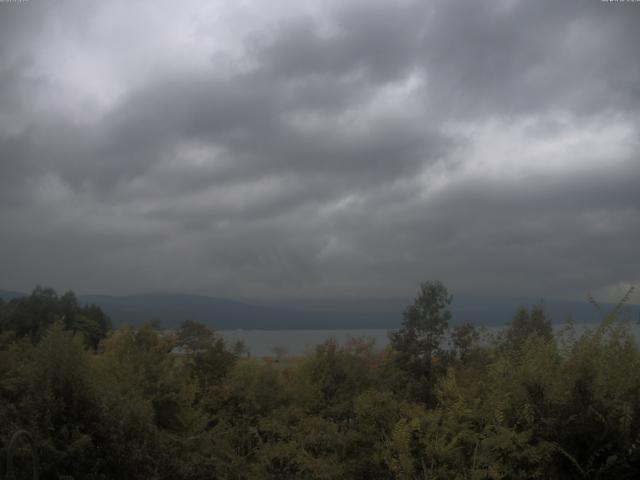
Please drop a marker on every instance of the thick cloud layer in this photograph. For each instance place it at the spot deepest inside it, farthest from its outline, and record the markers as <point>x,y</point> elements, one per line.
<point>320,149</point>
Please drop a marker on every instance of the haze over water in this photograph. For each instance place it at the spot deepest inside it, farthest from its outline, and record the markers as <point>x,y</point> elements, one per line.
<point>261,343</point>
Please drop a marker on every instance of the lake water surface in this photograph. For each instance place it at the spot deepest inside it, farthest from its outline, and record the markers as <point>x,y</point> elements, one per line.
<point>261,343</point>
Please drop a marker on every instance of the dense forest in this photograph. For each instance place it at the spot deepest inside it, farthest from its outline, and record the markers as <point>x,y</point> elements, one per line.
<point>441,402</point>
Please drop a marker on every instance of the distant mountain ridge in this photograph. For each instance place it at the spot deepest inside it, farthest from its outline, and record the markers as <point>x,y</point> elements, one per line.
<point>10,294</point>
<point>224,314</point>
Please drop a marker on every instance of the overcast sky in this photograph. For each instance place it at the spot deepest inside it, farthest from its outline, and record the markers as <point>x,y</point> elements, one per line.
<point>282,149</point>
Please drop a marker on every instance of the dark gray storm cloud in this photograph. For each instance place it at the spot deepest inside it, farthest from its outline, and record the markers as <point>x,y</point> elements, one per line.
<point>320,149</point>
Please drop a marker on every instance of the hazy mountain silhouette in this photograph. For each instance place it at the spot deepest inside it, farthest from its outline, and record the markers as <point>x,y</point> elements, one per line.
<point>7,295</point>
<point>224,314</point>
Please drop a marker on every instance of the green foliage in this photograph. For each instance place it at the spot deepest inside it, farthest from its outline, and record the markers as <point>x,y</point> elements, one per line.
<point>426,320</point>
<point>464,338</point>
<point>419,339</point>
<point>150,404</point>
<point>30,317</point>
<point>207,356</point>
<point>527,323</point>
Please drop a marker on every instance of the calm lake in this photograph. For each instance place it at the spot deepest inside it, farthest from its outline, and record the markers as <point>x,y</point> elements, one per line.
<point>298,342</point>
<point>261,343</point>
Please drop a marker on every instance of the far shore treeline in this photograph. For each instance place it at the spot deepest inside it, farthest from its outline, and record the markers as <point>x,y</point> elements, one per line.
<point>442,401</point>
